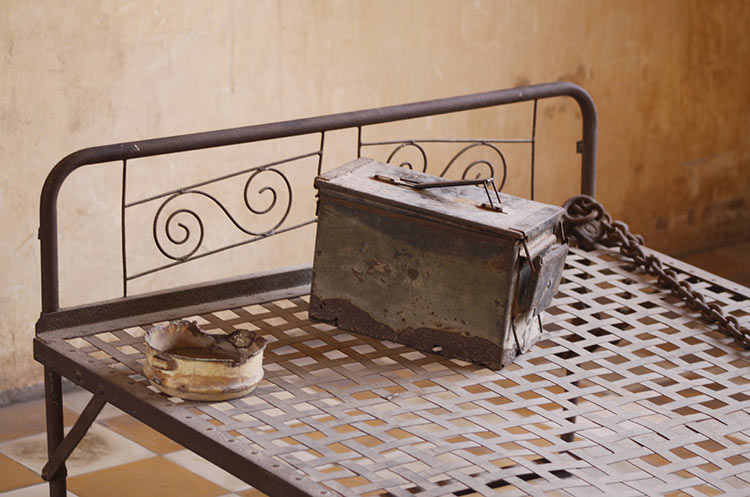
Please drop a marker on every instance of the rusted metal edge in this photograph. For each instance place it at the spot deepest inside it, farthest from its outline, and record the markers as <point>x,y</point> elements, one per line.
<point>364,199</point>
<point>55,427</point>
<point>177,423</point>
<point>328,187</point>
<point>177,302</point>
<point>396,212</point>
<point>345,315</point>
<point>198,141</point>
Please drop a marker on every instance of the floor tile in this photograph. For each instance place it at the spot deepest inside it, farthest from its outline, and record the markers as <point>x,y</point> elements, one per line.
<point>100,448</point>
<point>251,493</point>
<point>13,475</point>
<point>41,490</point>
<point>141,434</point>
<point>155,476</point>
<point>27,418</point>
<point>197,464</point>
<point>76,400</point>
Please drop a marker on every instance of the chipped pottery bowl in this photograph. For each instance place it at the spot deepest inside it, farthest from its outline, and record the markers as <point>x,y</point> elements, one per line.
<point>183,361</point>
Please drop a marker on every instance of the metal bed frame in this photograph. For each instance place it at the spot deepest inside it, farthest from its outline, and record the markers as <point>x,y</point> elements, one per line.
<point>628,394</point>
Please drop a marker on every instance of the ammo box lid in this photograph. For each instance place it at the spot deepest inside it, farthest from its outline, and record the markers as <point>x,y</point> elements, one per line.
<point>366,181</point>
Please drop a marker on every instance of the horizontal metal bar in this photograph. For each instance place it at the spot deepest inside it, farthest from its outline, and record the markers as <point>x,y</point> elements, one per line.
<point>222,249</point>
<point>175,298</point>
<point>221,178</point>
<point>450,140</point>
<point>74,436</point>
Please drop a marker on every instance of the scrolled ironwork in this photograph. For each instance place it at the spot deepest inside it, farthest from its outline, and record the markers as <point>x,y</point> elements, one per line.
<point>173,221</point>
<point>407,163</point>
<point>480,162</point>
<point>186,233</point>
<point>266,189</point>
<point>474,165</point>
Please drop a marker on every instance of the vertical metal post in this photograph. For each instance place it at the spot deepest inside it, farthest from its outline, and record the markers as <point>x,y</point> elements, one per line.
<point>55,435</point>
<point>533,150</point>
<point>320,152</point>
<point>122,229</point>
<point>588,146</point>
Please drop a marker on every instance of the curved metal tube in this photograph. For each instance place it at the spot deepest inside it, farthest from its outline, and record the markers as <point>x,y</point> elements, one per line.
<point>408,164</point>
<point>233,136</point>
<point>477,162</point>
<point>186,233</point>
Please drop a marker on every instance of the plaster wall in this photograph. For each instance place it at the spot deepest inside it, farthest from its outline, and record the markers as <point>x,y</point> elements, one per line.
<point>669,79</point>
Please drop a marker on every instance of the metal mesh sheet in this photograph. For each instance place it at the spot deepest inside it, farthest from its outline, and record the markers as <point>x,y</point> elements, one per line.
<point>660,401</point>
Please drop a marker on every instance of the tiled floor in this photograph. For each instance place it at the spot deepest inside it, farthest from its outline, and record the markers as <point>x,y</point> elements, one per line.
<point>119,455</point>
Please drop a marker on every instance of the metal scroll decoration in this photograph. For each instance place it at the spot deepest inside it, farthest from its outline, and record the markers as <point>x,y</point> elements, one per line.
<point>408,164</point>
<point>179,231</point>
<point>177,225</point>
<point>475,169</point>
<point>475,165</point>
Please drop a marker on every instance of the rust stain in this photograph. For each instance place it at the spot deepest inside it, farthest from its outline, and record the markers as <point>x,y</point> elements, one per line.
<point>398,254</point>
<point>447,341</point>
<point>498,264</point>
<point>377,266</point>
<point>412,273</point>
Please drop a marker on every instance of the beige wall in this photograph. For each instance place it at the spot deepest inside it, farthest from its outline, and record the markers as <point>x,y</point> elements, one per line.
<point>669,79</point>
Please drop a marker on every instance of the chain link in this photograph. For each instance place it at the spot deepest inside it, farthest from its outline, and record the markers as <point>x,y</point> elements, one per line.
<point>586,220</point>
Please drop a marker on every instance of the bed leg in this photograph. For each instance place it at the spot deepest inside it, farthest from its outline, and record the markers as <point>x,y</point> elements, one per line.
<point>53,399</point>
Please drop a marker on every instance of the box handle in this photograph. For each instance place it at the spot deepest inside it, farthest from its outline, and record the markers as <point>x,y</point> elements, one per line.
<point>486,182</point>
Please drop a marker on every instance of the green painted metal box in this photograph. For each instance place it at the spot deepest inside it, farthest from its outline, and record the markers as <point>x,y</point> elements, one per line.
<point>443,269</point>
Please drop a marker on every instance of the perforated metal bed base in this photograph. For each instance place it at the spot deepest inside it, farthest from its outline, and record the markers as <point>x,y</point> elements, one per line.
<point>657,402</point>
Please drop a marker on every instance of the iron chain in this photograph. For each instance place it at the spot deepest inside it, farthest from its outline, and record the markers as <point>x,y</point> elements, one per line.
<point>586,220</point>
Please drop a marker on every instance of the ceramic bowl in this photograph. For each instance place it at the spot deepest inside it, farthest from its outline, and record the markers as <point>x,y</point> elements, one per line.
<point>183,361</point>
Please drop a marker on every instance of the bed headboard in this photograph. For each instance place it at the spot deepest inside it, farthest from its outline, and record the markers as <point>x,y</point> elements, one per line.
<point>169,232</point>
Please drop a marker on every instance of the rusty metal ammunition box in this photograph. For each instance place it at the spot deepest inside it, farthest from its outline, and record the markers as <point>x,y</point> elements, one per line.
<point>458,270</point>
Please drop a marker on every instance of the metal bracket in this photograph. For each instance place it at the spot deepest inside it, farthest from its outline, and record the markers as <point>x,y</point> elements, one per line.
<point>535,263</point>
<point>57,460</point>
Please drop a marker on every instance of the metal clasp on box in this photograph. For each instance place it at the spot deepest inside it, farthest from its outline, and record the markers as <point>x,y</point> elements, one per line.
<point>485,182</point>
